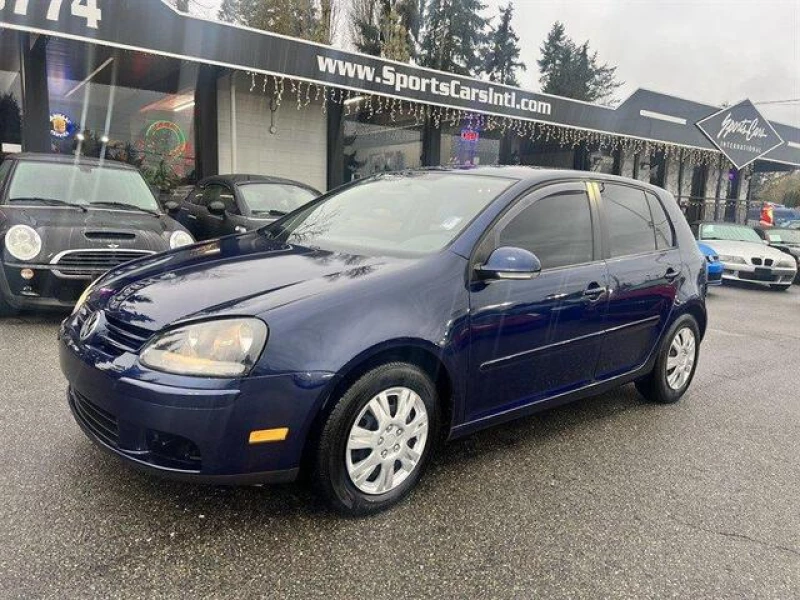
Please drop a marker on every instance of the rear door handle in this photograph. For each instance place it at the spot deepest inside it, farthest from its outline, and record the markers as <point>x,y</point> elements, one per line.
<point>671,274</point>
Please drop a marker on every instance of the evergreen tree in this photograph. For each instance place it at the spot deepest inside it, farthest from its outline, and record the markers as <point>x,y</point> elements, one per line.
<point>307,19</point>
<point>501,57</point>
<point>387,28</point>
<point>454,36</point>
<point>573,71</point>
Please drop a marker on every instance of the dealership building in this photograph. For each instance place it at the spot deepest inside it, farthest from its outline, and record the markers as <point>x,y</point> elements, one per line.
<point>183,98</point>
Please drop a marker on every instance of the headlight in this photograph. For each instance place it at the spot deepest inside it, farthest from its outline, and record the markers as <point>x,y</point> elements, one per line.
<point>220,348</point>
<point>787,262</point>
<point>180,238</point>
<point>23,243</point>
<point>732,259</point>
<point>85,296</point>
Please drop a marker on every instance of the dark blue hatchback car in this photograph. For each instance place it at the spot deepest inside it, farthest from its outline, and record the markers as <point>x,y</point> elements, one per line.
<point>352,335</point>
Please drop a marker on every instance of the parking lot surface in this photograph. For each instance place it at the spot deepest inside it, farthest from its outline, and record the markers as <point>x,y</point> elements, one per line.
<point>607,497</point>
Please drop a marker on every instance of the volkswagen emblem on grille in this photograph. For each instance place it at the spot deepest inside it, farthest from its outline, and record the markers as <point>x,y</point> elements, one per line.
<point>90,325</point>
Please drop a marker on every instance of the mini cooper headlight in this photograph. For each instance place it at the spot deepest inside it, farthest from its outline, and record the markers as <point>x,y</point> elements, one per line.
<point>23,243</point>
<point>220,348</point>
<point>732,259</point>
<point>180,238</point>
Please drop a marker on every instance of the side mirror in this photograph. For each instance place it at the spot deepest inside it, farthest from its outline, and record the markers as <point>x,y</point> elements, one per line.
<point>216,208</point>
<point>508,262</point>
<point>171,206</point>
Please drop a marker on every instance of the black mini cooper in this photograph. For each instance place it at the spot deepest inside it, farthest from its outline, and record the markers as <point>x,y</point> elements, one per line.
<point>66,220</point>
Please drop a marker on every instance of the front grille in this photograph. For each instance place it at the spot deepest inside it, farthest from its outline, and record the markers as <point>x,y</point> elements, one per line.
<point>768,262</point>
<point>756,261</point>
<point>123,336</point>
<point>100,422</point>
<point>78,263</point>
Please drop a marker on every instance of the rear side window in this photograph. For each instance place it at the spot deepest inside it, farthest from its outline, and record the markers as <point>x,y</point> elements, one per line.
<point>557,229</point>
<point>630,224</point>
<point>661,224</point>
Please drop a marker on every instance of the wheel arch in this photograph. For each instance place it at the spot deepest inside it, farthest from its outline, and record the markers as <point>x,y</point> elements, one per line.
<point>417,352</point>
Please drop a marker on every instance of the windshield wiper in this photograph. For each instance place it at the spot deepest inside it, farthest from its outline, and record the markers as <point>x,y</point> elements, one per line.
<point>50,202</point>
<point>128,206</point>
<point>272,212</point>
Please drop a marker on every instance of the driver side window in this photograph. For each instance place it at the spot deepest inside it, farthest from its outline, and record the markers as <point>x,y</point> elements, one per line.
<point>556,228</point>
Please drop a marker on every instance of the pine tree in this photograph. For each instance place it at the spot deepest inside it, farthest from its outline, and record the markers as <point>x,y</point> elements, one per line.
<point>387,28</point>
<point>454,36</point>
<point>573,71</point>
<point>501,57</point>
<point>306,19</point>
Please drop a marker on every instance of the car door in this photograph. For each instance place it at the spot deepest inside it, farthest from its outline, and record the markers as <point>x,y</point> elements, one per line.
<point>532,339</point>
<point>187,213</point>
<point>644,267</point>
<point>218,225</point>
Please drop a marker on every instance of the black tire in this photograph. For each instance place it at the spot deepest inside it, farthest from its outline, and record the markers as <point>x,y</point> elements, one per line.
<point>330,475</point>
<point>655,386</point>
<point>780,287</point>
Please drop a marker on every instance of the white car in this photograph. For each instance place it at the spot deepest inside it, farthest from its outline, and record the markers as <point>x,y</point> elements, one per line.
<point>745,256</point>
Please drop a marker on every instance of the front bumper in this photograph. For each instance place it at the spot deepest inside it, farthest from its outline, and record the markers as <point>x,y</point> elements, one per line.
<point>754,274</point>
<point>198,432</point>
<point>714,274</point>
<point>47,290</point>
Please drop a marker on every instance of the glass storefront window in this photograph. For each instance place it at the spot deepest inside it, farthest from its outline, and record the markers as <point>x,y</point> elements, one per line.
<point>468,144</point>
<point>601,158</point>
<point>125,106</point>
<point>376,143</point>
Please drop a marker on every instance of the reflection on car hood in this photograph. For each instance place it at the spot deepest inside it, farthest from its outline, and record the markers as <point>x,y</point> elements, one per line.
<point>246,274</point>
<point>744,249</point>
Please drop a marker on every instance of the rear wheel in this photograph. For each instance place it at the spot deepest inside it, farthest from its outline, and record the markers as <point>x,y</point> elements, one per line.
<point>377,440</point>
<point>675,365</point>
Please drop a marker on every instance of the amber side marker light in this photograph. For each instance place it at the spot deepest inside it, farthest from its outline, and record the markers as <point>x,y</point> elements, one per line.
<point>261,436</point>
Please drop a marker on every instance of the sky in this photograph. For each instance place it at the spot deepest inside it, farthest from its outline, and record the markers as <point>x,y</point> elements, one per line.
<point>711,51</point>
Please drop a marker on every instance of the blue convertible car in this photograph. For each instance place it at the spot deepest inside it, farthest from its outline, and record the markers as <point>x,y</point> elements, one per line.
<point>352,335</point>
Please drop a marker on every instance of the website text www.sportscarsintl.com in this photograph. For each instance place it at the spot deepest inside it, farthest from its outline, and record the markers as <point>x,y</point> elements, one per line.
<point>451,88</point>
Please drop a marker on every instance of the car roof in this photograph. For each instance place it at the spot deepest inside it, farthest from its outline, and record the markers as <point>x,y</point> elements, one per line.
<point>534,175</point>
<point>240,178</point>
<point>70,159</point>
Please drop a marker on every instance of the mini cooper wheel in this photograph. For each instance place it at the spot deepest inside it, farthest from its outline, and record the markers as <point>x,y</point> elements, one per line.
<point>377,440</point>
<point>675,365</point>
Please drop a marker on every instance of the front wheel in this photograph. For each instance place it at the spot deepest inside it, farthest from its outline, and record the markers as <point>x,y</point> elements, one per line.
<point>675,365</point>
<point>377,440</point>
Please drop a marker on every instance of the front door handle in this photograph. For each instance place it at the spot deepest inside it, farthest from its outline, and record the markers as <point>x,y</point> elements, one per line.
<point>594,291</point>
<point>191,216</point>
<point>671,274</point>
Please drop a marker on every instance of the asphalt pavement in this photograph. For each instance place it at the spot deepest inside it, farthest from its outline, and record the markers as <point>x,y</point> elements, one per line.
<point>609,497</point>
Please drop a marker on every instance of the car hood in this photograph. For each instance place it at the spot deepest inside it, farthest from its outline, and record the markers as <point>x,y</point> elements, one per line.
<point>747,250</point>
<point>246,274</point>
<point>70,229</point>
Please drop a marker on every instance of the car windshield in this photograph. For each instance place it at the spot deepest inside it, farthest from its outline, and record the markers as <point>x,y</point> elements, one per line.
<point>791,236</point>
<point>407,213</point>
<point>274,198</point>
<point>82,185</point>
<point>727,231</point>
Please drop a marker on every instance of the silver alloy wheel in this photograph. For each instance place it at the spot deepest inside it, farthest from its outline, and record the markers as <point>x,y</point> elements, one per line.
<point>387,440</point>
<point>681,357</point>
